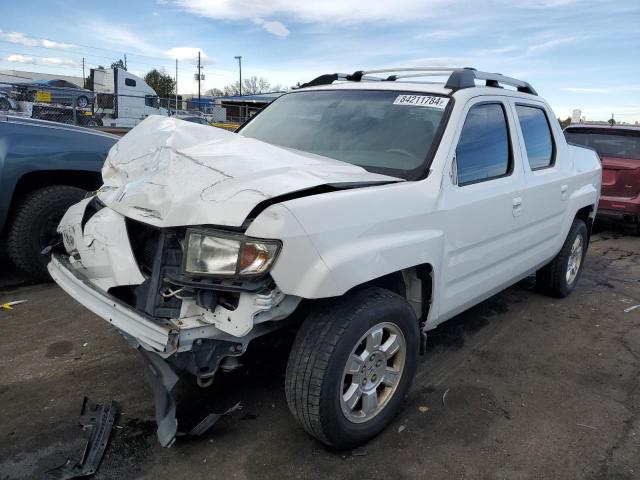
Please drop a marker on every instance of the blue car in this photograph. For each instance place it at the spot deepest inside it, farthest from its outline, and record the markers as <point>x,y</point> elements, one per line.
<point>59,91</point>
<point>45,167</point>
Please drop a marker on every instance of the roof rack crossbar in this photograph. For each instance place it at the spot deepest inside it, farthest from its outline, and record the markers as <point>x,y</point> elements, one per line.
<point>465,78</point>
<point>459,78</point>
<point>434,73</point>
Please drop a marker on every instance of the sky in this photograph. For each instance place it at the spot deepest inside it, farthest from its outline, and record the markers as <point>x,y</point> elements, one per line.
<point>576,53</point>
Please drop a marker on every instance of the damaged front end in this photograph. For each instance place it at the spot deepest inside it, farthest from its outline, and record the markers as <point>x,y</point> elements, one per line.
<point>160,252</point>
<point>131,274</point>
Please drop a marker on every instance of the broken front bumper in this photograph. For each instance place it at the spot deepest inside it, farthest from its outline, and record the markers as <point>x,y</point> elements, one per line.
<point>155,335</point>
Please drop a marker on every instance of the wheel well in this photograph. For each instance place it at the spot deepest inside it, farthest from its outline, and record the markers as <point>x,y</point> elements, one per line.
<point>45,178</point>
<point>586,215</point>
<point>415,284</point>
<point>393,282</point>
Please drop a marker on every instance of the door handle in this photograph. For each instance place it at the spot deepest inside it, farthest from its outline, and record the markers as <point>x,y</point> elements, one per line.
<point>517,206</point>
<point>563,191</point>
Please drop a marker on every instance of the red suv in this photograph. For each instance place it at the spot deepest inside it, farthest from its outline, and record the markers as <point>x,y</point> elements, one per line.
<point>619,150</point>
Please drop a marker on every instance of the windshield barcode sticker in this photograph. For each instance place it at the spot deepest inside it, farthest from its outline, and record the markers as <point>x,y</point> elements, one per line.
<point>422,101</point>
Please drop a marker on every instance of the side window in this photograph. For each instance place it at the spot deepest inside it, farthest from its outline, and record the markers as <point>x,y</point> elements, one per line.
<point>483,151</point>
<point>537,136</point>
<point>129,82</point>
<point>151,101</point>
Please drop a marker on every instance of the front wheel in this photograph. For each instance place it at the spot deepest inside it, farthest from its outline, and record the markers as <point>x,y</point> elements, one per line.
<point>351,365</point>
<point>33,227</point>
<point>559,277</point>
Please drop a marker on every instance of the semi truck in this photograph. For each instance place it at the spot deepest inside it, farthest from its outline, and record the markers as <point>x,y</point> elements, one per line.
<point>122,99</point>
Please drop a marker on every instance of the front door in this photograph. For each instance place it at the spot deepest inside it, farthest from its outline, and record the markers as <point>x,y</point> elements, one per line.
<point>481,207</point>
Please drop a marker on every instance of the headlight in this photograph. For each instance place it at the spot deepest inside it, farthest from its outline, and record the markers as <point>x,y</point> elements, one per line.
<point>210,253</point>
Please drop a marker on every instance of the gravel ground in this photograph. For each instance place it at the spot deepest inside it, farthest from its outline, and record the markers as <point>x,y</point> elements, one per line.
<point>521,386</point>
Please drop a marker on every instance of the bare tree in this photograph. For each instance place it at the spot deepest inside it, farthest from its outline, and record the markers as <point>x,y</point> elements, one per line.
<point>214,92</point>
<point>250,86</point>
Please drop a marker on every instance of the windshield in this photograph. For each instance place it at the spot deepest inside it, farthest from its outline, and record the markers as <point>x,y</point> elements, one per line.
<point>387,132</point>
<point>612,143</point>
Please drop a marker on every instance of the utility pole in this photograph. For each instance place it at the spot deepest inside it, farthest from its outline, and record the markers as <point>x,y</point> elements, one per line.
<point>125,61</point>
<point>84,79</point>
<point>176,106</point>
<point>239,58</point>
<point>199,78</point>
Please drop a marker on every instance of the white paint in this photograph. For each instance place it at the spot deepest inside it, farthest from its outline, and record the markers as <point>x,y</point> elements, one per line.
<point>477,238</point>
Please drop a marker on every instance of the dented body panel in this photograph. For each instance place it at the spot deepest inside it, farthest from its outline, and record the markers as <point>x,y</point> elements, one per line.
<point>168,173</point>
<point>333,226</point>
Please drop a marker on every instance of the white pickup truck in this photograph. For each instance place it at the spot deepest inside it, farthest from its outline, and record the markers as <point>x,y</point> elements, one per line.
<point>362,210</point>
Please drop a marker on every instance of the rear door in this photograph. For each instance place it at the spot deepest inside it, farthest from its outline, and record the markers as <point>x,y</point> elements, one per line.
<point>481,207</point>
<point>548,182</point>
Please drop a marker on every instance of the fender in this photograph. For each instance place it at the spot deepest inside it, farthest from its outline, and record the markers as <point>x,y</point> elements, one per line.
<point>332,242</point>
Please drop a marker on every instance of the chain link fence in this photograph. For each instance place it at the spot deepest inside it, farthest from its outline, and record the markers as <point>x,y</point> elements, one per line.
<point>64,102</point>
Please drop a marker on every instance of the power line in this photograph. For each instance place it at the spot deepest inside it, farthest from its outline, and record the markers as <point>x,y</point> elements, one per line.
<point>166,62</point>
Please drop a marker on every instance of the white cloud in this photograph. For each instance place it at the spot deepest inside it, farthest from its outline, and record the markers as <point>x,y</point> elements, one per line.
<point>189,54</point>
<point>55,61</point>
<point>346,12</point>
<point>65,62</point>
<point>586,90</point>
<point>120,36</point>
<point>51,44</point>
<point>18,59</point>
<point>548,45</point>
<point>22,39</point>
<point>440,35</point>
<point>276,28</point>
<point>271,14</point>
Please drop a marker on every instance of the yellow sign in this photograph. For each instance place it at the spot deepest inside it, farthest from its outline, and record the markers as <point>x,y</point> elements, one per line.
<point>43,97</point>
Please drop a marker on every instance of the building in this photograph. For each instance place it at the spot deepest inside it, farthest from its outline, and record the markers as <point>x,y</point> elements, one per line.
<point>238,107</point>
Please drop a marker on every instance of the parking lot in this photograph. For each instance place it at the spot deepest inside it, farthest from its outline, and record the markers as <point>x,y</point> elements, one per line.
<point>521,386</point>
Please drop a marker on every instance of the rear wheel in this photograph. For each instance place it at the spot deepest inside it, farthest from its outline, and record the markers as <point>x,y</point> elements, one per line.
<point>559,277</point>
<point>351,365</point>
<point>33,227</point>
<point>82,101</point>
<point>4,104</point>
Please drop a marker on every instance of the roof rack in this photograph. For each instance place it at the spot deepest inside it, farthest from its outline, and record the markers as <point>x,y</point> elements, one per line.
<point>458,78</point>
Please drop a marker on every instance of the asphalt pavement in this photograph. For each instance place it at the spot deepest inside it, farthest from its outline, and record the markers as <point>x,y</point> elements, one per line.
<point>520,387</point>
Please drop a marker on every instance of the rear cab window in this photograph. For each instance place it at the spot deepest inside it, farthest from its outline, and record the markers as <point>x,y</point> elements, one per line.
<point>484,148</point>
<point>537,136</point>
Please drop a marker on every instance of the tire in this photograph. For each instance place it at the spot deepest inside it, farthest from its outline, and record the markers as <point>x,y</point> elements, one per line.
<point>33,226</point>
<point>4,104</point>
<point>554,279</point>
<point>317,380</point>
<point>82,101</point>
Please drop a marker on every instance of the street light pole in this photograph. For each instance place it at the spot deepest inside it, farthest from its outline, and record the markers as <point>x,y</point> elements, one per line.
<point>239,58</point>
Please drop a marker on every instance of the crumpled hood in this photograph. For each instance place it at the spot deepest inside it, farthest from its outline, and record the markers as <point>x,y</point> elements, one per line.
<point>168,172</point>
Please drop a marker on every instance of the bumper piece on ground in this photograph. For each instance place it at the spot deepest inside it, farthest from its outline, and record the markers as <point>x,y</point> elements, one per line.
<point>162,380</point>
<point>98,420</point>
